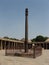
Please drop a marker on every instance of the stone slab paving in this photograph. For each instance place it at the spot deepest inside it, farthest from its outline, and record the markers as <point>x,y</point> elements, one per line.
<point>14,60</point>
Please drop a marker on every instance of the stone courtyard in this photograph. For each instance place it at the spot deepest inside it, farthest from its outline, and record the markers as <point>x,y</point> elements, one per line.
<point>15,60</point>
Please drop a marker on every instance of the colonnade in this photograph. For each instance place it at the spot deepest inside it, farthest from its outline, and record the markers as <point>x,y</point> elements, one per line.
<point>44,45</point>
<point>15,45</point>
<point>10,44</point>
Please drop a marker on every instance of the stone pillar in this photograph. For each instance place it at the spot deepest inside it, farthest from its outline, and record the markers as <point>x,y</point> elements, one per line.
<point>46,45</point>
<point>13,45</point>
<point>33,50</point>
<point>43,45</point>
<point>39,44</point>
<point>26,29</point>
<point>4,44</point>
<point>9,45</point>
<point>1,45</point>
<point>5,48</point>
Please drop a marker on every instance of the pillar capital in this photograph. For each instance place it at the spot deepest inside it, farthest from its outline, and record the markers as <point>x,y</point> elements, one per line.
<point>26,11</point>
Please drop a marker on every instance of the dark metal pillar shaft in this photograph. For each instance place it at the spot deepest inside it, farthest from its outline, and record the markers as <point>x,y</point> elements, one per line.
<point>26,29</point>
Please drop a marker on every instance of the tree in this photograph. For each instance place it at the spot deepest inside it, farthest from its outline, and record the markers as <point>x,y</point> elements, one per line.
<point>11,38</point>
<point>6,37</point>
<point>33,40</point>
<point>39,38</point>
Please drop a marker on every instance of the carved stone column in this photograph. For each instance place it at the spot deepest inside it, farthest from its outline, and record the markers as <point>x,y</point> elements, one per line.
<point>26,29</point>
<point>1,45</point>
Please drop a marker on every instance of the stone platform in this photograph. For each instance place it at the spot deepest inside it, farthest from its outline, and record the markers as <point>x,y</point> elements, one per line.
<point>32,53</point>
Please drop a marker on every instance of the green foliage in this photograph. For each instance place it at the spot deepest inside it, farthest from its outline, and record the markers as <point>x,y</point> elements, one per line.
<point>13,39</point>
<point>10,38</point>
<point>39,38</point>
<point>6,37</point>
<point>45,38</point>
<point>33,40</point>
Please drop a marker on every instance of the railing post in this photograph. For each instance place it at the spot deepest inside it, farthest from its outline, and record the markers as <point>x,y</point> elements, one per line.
<point>33,50</point>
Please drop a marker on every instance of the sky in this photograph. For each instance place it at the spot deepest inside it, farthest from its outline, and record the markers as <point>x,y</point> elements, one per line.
<point>12,18</point>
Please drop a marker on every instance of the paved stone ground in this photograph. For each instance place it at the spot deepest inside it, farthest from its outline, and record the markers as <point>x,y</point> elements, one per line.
<point>14,60</point>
